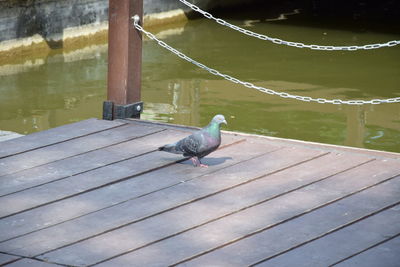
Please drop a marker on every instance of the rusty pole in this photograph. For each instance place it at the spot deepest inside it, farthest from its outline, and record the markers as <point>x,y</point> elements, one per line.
<point>124,61</point>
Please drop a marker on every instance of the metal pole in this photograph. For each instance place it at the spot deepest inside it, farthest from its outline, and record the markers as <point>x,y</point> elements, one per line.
<point>124,60</point>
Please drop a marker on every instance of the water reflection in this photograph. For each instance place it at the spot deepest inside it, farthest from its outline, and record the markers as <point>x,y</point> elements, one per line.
<point>68,87</point>
<point>354,75</point>
<point>247,111</point>
<point>53,91</point>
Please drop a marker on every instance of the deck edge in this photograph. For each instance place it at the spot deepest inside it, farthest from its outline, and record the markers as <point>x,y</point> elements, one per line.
<point>330,147</point>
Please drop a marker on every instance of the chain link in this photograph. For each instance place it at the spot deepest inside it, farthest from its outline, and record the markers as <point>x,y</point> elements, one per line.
<point>283,42</point>
<point>259,88</point>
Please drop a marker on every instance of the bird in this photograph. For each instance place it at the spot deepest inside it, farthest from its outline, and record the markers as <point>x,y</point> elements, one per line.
<point>200,143</point>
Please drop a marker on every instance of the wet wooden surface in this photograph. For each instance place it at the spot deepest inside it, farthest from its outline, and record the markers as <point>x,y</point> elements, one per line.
<point>99,193</point>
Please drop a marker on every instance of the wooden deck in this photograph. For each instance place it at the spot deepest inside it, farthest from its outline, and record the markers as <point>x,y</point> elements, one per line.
<point>99,193</point>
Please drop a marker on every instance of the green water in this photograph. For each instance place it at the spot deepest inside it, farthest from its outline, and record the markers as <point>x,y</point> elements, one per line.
<point>69,87</point>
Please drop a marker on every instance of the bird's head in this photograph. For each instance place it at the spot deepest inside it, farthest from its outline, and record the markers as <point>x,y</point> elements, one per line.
<point>219,119</point>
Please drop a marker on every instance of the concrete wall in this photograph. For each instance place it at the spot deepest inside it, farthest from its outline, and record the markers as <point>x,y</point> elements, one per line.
<point>157,6</point>
<point>27,22</point>
<point>48,18</point>
<point>34,21</point>
<point>33,28</point>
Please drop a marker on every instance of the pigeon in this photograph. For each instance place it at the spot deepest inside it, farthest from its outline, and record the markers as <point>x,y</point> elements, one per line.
<point>200,143</point>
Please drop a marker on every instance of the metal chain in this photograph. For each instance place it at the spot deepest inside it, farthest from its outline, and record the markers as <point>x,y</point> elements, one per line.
<point>259,88</point>
<point>283,42</point>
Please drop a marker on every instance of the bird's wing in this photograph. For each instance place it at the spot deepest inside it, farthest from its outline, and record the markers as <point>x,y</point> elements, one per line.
<point>190,145</point>
<point>200,144</point>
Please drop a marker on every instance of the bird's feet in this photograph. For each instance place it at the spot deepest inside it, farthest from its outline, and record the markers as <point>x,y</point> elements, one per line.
<point>197,163</point>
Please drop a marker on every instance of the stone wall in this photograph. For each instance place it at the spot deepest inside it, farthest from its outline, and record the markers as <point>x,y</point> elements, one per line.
<point>49,18</point>
<point>37,26</point>
<point>51,21</point>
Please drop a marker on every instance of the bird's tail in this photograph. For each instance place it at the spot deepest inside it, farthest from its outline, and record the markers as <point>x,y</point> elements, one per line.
<point>171,148</point>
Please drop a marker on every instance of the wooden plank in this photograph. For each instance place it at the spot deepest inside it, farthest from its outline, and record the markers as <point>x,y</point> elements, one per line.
<point>386,254</point>
<point>284,237</point>
<point>111,208</point>
<point>72,147</point>
<point>148,205</point>
<point>284,141</point>
<point>31,263</point>
<point>6,258</point>
<point>84,162</point>
<point>185,217</point>
<point>356,237</point>
<point>251,220</point>
<point>67,209</point>
<point>55,135</point>
<point>91,160</point>
<point>67,185</point>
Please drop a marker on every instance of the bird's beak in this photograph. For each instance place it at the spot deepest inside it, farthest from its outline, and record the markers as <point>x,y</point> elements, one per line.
<point>224,121</point>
